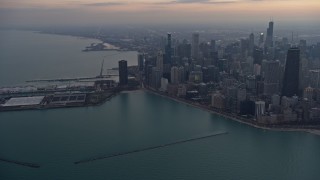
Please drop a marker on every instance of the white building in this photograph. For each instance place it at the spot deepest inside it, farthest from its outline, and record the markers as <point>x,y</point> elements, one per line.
<point>164,84</point>
<point>259,108</point>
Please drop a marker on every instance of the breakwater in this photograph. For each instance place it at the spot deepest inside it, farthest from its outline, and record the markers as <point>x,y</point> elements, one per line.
<point>32,165</point>
<point>148,148</point>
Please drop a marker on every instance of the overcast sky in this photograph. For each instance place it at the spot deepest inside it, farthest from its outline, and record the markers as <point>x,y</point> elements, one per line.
<point>94,12</point>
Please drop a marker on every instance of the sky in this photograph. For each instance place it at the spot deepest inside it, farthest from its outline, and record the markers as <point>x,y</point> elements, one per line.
<point>95,12</point>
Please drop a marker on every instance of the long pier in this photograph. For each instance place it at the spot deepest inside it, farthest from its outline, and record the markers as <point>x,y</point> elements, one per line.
<point>32,165</point>
<point>148,148</point>
<point>72,79</point>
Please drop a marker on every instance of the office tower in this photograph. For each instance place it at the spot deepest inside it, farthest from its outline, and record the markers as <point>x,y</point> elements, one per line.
<point>123,73</point>
<point>261,39</point>
<point>156,78</point>
<point>314,78</point>
<point>159,62</point>
<point>270,72</point>
<point>303,46</point>
<point>181,74</point>
<point>269,38</point>
<point>184,50</point>
<point>174,75</point>
<point>213,73</point>
<point>195,46</point>
<point>213,45</point>
<point>141,62</point>
<point>168,50</point>
<point>251,44</point>
<point>259,108</point>
<point>257,56</point>
<point>291,74</point>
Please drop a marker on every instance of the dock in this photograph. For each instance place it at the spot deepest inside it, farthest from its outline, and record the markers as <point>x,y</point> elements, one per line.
<point>148,148</point>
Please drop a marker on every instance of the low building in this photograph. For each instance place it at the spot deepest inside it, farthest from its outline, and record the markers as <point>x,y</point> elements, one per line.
<point>218,101</point>
<point>63,99</point>
<point>24,101</point>
<point>182,91</point>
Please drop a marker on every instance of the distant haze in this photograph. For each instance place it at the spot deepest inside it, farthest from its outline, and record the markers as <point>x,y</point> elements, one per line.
<point>103,12</point>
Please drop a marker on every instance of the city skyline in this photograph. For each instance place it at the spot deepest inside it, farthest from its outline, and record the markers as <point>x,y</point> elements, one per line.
<point>84,12</point>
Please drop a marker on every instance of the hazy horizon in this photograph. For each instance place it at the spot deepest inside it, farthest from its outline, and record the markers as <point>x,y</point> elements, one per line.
<point>46,13</point>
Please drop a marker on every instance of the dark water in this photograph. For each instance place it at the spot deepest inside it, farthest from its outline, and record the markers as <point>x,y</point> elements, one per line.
<point>56,138</point>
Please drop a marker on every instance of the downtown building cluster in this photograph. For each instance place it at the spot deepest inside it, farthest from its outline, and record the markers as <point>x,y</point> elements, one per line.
<point>266,79</point>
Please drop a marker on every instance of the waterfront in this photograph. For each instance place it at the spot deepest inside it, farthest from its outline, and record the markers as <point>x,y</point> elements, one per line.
<point>57,138</point>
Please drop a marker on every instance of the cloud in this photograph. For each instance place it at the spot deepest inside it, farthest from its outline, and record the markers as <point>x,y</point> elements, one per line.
<point>102,4</point>
<point>200,2</point>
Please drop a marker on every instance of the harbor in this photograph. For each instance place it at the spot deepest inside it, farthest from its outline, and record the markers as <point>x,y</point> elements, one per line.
<point>51,95</point>
<point>62,92</point>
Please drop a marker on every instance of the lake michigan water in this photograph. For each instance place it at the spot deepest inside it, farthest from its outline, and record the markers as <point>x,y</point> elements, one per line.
<point>56,138</point>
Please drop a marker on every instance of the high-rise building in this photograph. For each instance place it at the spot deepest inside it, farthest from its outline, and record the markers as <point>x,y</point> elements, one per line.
<point>174,75</point>
<point>123,73</point>
<point>260,108</point>
<point>168,50</point>
<point>156,78</point>
<point>159,62</point>
<point>270,71</point>
<point>314,78</point>
<point>213,45</point>
<point>195,46</point>
<point>257,56</point>
<point>261,39</point>
<point>251,44</point>
<point>141,62</point>
<point>269,38</point>
<point>291,74</point>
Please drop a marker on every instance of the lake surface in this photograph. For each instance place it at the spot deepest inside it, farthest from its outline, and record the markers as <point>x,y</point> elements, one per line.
<point>58,137</point>
<point>26,55</point>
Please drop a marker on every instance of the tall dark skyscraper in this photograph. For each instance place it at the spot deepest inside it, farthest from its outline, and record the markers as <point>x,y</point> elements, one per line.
<point>269,38</point>
<point>141,62</point>
<point>195,46</point>
<point>257,56</point>
<point>123,73</point>
<point>291,73</point>
<point>168,50</point>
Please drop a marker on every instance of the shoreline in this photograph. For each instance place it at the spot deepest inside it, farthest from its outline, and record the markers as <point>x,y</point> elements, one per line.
<point>284,129</point>
<point>108,45</point>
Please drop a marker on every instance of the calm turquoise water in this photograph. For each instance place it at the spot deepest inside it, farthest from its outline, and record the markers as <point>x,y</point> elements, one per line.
<point>58,137</point>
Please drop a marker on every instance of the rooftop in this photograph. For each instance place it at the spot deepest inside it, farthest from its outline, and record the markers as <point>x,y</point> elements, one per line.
<point>23,101</point>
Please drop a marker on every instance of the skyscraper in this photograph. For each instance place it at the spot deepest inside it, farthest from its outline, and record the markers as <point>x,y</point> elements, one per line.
<point>168,50</point>
<point>123,73</point>
<point>159,62</point>
<point>174,75</point>
<point>270,71</point>
<point>257,56</point>
<point>141,62</point>
<point>291,73</point>
<point>269,38</point>
<point>195,46</point>
<point>251,44</point>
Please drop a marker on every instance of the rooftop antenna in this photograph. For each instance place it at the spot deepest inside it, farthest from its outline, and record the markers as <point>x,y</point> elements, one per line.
<point>101,68</point>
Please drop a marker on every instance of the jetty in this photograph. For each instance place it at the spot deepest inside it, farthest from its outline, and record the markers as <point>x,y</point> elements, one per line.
<point>27,164</point>
<point>148,148</point>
